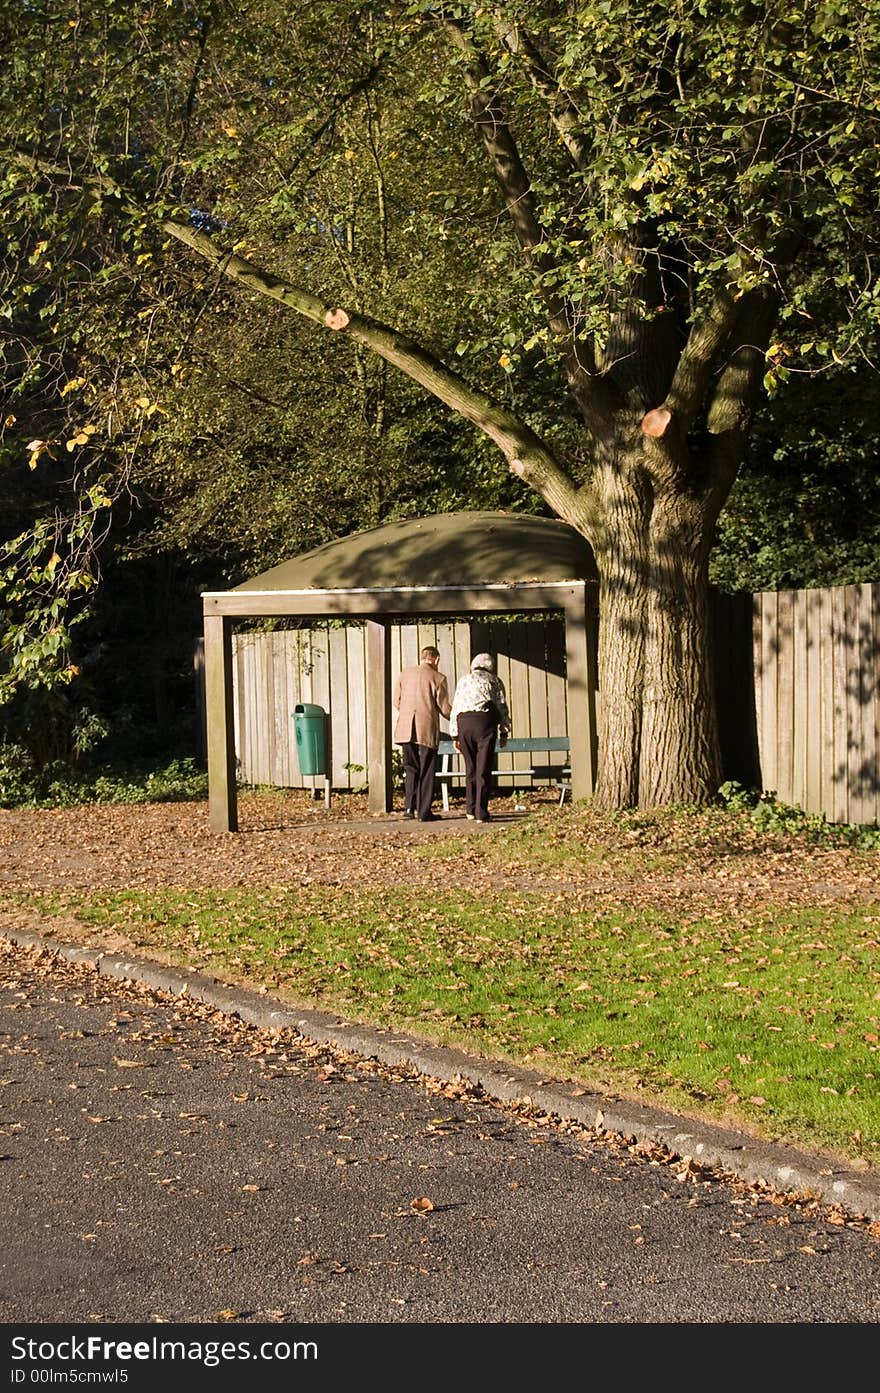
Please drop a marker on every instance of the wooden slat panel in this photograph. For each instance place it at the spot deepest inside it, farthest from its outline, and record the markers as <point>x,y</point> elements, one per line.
<point>281,705</point>
<point>239,687</point>
<point>462,654</point>
<point>338,707</point>
<point>394,641</point>
<point>409,645</point>
<point>826,679</point>
<point>799,724</point>
<point>427,631</point>
<point>239,696</point>
<point>266,736</point>
<point>518,691</point>
<point>446,643</point>
<point>813,640</point>
<point>263,734</point>
<point>321,695</point>
<point>769,701</point>
<point>396,650</point>
<point>248,705</point>
<point>785,696</point>
<point>536,670</point>
<point>356,661</point>
<point>557,697</point>
<point>253,723</point>
<point>853,703</point>
<point>870,695</point>
<point>839,810</point>
<point>482,636</point>
<point>863,694</point>
<point>277,714</point>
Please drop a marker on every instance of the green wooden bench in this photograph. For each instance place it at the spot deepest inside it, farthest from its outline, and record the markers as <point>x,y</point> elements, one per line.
<point>451,764</point>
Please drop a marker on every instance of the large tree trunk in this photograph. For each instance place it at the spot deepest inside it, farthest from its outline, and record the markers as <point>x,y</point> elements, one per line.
<point>680,757</point>
<point>657,718</point>
<point>621,560</point>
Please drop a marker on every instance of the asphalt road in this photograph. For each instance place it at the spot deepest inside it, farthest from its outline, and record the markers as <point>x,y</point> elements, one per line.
<point>162,1162</point>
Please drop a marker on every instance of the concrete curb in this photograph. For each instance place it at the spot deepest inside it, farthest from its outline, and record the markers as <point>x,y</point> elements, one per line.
<point>781,1169</point>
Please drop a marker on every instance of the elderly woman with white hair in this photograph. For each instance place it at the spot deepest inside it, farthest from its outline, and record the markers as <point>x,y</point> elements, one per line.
<point>479,716</point>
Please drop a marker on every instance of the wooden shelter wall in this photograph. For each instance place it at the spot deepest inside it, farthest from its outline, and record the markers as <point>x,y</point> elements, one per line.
<point>327,666</point>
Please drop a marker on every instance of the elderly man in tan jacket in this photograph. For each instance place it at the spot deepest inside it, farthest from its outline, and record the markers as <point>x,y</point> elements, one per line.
<point>421,697</point>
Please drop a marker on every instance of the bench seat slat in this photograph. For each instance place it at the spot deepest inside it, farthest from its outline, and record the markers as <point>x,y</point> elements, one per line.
<point>536,744</point>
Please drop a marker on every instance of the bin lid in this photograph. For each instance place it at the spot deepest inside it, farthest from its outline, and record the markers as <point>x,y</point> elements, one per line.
<point>307,708</point>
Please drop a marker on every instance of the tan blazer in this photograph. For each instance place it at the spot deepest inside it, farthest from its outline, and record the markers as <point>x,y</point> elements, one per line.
<point>421,697</point>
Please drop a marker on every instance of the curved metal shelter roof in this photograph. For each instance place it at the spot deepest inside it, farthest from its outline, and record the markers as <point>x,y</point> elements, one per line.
<point>468,548</point>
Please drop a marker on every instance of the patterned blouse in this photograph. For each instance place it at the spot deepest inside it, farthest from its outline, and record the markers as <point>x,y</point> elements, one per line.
<point>479,691</point>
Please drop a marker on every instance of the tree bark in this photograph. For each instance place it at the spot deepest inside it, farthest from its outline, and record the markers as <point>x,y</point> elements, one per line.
<point>657,724</point>
<point>680,756</point>
<point>621,561</point>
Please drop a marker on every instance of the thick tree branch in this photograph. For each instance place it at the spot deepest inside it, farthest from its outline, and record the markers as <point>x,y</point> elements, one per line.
<point>735,398</point>
<point>491,122</point>
<point>526,454</point>
<point>742,329</point>
<point>697,359</point>
<point>563,112</point>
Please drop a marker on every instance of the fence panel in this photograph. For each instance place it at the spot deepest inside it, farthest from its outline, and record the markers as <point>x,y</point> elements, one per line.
<point>817,698</point>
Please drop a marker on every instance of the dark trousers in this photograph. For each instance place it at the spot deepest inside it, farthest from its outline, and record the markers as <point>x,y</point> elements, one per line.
<point>476,736</point>
<point>419,762</point>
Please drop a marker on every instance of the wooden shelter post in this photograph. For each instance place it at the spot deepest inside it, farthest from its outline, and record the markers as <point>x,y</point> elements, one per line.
<point>581,683</point>
<point>380,795</point>
<point>219,717</point>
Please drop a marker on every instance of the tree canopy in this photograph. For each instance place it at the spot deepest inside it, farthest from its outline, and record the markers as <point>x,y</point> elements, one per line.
<point>596,231</point>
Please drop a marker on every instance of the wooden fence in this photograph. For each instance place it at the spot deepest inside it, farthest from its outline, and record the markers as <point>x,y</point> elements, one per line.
<point>798,687</point>
<point>798,680</point>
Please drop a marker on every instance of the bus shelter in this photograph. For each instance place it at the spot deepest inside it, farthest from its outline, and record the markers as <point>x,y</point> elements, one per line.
<point>451,564</point>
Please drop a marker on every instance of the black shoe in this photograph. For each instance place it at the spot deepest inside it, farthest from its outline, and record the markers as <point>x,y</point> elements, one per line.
<point>429,817</point>
<point>408,812</point>
<point>487,818</point>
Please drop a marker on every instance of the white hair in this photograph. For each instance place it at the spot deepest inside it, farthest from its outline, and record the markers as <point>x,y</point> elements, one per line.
<point>483,662</point>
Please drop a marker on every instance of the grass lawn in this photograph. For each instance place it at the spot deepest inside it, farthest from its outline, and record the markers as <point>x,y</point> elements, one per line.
<point>692,959</point>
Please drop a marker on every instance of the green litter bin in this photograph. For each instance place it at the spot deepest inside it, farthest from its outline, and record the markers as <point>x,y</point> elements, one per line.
<point>310,728</point>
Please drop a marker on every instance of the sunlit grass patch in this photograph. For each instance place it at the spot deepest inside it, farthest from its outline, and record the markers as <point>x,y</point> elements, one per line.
<point>769,1020</point>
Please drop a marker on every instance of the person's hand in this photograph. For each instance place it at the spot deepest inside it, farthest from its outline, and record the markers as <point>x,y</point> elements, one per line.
<point>457,746</point>
<point>502,737</point>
